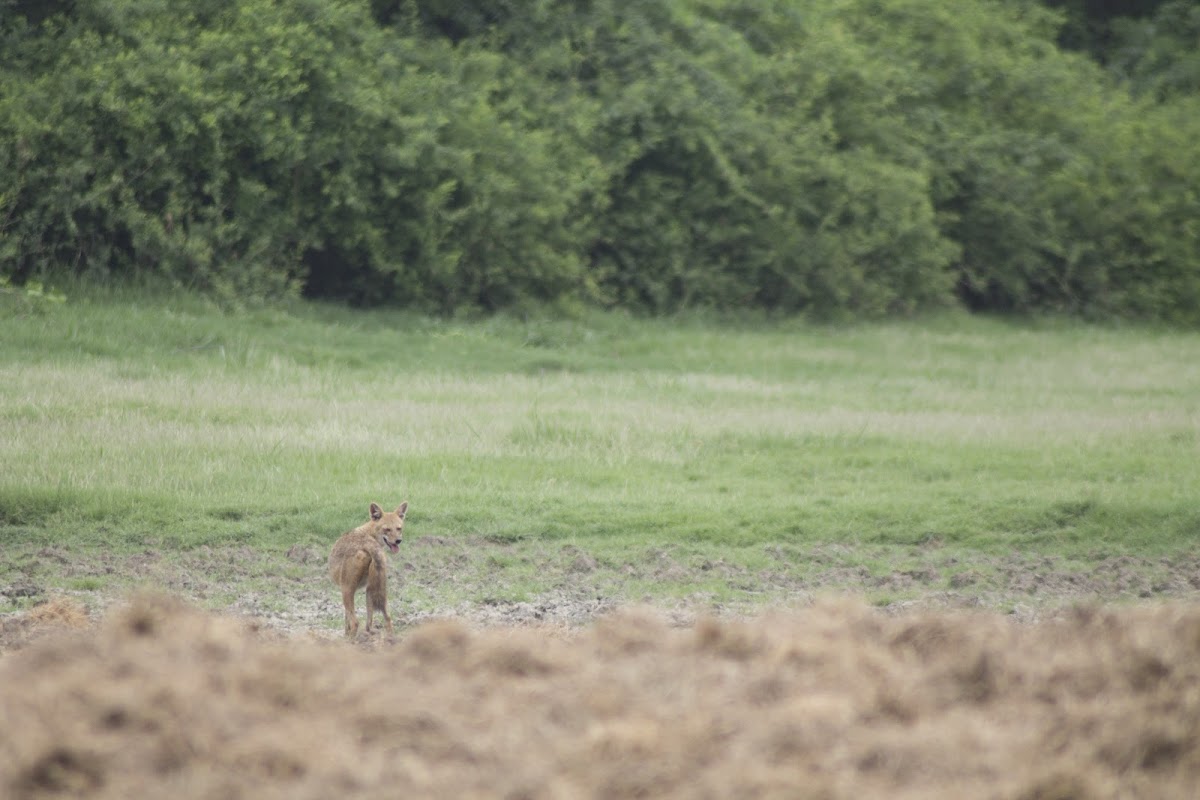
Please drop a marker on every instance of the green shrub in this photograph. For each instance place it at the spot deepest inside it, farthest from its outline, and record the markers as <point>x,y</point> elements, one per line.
<point>239,145</point>
<point>833,158</point>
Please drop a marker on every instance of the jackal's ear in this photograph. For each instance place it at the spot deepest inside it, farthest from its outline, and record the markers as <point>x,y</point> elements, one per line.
<point>402,509</point>
<point>376,512</point>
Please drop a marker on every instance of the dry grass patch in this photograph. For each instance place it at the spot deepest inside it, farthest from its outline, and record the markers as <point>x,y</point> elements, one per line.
<point>834,702</point>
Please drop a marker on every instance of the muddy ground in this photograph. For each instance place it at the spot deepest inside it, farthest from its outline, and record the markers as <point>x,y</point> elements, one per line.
<point>485,582</point>
<point>838,700</point>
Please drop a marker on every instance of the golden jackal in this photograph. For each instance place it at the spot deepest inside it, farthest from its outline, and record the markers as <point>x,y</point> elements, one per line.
<point>358,560</point>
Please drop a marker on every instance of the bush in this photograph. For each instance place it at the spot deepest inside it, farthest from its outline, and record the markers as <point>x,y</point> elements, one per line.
<point>857,157</point>
<point>1056,185</point>
<point>727,181</point>
<point>238,146</point>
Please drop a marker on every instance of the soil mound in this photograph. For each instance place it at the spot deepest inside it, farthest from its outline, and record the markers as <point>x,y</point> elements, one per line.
<point>61,612</point>
<point>839,701</point>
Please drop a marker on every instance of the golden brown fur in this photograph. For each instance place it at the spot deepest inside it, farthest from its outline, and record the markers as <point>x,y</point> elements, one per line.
<point>358,559</point>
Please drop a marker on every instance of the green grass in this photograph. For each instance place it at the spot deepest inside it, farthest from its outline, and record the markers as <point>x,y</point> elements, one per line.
<point>134,421</point>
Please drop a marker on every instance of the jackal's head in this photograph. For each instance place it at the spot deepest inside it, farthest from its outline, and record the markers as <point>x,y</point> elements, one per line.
<point>390,525</point>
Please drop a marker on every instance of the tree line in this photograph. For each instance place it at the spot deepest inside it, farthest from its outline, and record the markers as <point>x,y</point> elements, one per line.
<point>827,157</point>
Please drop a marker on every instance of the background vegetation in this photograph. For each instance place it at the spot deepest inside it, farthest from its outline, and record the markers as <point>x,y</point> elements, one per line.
<point>857,157</point>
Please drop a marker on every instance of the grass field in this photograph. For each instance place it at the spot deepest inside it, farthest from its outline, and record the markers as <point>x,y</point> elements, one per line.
<point>145,439</point>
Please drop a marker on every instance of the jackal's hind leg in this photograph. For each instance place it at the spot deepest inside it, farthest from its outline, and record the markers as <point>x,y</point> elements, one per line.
<point>351,617</point>
<point>355,573</point>
<point>377,594</point>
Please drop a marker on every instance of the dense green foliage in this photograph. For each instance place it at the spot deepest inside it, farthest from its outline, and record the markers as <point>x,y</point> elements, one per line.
<point>1153,45</point>
<point>855,157</point>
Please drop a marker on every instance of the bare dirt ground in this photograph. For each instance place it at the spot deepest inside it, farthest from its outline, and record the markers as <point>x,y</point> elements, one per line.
<point>484,582</point>
<point>838,700</point>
